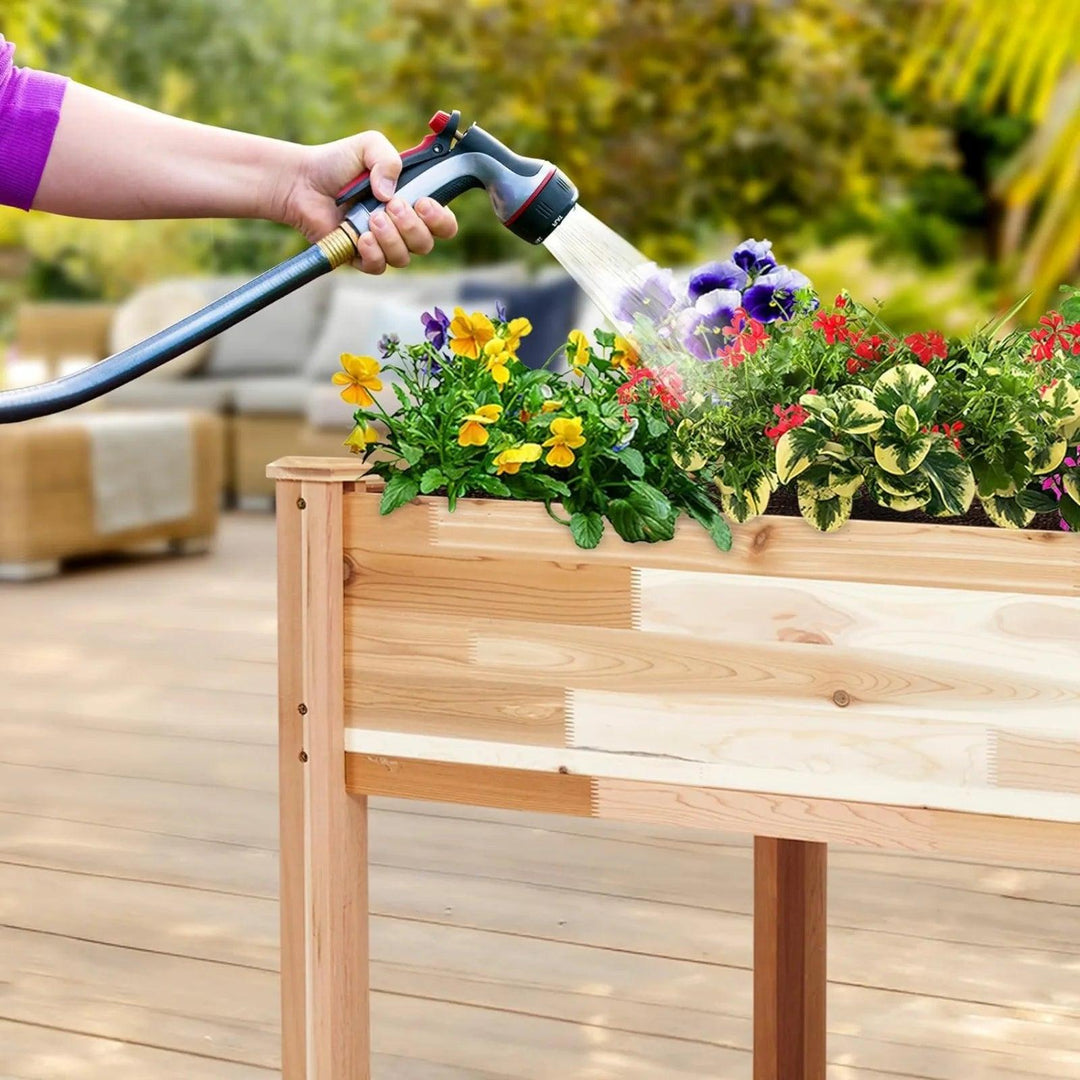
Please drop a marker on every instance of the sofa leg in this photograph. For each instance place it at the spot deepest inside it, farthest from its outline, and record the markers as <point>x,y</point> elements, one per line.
<point>34,570</point>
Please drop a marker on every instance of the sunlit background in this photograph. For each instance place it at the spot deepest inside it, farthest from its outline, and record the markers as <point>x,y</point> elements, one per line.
<point>925,152</point>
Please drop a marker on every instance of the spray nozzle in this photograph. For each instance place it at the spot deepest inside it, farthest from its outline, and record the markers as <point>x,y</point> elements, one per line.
<point>530,196</point>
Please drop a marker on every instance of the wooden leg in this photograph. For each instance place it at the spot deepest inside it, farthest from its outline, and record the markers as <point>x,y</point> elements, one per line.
<point>324,899</point>
<point>789,959</point>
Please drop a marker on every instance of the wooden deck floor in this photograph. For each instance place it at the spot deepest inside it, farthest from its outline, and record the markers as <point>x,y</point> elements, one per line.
<point>138,919</point>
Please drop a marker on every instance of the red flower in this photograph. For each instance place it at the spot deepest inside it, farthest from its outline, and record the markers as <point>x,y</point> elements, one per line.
<point>748,333</point>
<point>1073,331</point>
<point>868,349</point>
<point>950,431</point>
<point>788,417</point>
<point>840,301</point>
<point>927,346</point>
<point>1054,337</point>
<point>668,387</point>
<point>834,327</point>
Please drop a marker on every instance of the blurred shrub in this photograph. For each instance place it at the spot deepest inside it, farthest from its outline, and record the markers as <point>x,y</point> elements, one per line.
<point>675,117</point>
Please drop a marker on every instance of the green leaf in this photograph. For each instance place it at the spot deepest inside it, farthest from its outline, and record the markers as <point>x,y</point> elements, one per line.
<point>403,396</point>
<point>826,515</point>
<point>551,484</point>
<point>431,481</point>
<point>586,529</point>
<point>400,489</point>
<point>655,425</point>
<point>907,384</point>
<point>859,417</point>
<point>1070,309</point>
<point>952,483</point>
<point>411,454</point>
<point>1070,513</point>
<point>1042,502</point>
<point>906,420</point>
<point>796,450</point>
<point>632,460</point>
<point>714,524</point>
<point>1007,513</point>
<point>645,514</point>
<point>605,338</point>
<point>491,484</point>
<point>898,455</point>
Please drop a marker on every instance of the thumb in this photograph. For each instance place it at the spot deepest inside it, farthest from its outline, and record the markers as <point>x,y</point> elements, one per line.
<point>377,153</point>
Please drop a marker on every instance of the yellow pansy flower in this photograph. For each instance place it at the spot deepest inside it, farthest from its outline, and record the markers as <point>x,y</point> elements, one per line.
<point>551,406</point>
<point>361,438</point>
<point>498,356</point>
<point>516,329</point>
<point>577,349</point>
<point>472,431</point>
<point>360,378</point>
<point>470,333</point>
<point>511,460</point>
<point>624,355</point>
<point>566,437</point>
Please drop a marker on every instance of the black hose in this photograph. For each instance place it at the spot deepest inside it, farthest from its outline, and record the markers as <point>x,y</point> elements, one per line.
<point>28,402</point>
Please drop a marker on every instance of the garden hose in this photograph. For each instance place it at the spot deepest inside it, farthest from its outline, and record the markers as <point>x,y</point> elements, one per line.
<point>530,197</point>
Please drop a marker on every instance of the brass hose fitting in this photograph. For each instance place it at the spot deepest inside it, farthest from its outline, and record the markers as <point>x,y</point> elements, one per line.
<point>339,246</point>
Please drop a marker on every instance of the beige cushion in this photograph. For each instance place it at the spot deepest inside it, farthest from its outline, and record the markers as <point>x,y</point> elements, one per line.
<point>155,308</point>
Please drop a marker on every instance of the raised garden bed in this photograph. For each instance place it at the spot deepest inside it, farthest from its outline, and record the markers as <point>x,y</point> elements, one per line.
<point>892,685</point>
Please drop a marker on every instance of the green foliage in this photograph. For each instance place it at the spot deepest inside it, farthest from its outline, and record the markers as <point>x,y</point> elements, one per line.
<point>924,423</point>
<point>673,117</point>
<point>472,421</point>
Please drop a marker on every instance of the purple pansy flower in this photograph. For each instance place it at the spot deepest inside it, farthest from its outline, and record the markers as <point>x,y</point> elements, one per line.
<point>772,296</point>
<point>500,311</point>
<point>653,298</point>
<point>701,327</point>
<point>436,327</point>
<point>717,275</point>
<point>754,256</point>
<point>388,343</point>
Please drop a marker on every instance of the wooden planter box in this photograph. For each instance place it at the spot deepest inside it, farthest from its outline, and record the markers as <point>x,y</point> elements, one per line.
<point>895,686</point>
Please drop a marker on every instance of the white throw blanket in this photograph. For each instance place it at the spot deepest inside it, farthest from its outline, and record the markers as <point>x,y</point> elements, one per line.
<point>142,468</point>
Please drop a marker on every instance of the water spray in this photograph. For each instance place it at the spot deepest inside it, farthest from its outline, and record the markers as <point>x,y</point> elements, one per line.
<point>531,197</point>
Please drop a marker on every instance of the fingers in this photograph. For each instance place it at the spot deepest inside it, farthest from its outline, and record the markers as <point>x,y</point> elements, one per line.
<point>439,219</point>
<point>401,230</point>
<point>384,162</point>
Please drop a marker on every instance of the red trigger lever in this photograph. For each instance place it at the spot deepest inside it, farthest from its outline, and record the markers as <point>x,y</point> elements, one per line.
<point>443,129</point>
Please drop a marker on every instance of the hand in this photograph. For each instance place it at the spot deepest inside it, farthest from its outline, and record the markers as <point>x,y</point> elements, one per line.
<point>317,173</point>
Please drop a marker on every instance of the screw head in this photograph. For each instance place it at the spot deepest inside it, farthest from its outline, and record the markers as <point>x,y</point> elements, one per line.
<point>302,709</point>
<point>841,698</point>
<point>302,755</point>
<point>301,504</point>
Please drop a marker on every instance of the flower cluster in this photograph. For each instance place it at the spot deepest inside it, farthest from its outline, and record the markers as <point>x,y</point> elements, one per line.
<point>1053,334</point>
<point>723,308</point>
<point>469,419</point>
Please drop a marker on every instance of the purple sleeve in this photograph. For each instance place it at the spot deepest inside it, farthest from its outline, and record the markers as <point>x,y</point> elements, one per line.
<point>29,111</point>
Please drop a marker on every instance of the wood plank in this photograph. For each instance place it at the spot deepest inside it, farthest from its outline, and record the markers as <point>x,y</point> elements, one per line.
<point>1010,630</point>
<point>332,988</point>
<point>292,796</point>
<point>828,740</point>
<point>328,470</point>
<point>516,789</point>
<point>561,593</point>
<point>789,959</point>
<point>44,1052</point>
<point>910,829</point>
<point>1039,762</point>
<point>948,556</point>
<point>468,707</point>
<point>670,771</point>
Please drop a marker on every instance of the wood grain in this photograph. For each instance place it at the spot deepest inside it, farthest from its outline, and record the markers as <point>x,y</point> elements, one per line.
<point>512,789</point>
<point>913,829</point>
<point>949,556</point>
<point>467,707</point>
<point>570,593</point>
<point>332,989</point>
<point>789,959</point>
<point>1038,762</point>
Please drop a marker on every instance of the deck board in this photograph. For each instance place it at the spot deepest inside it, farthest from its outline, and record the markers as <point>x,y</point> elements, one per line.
<point>138,882</point>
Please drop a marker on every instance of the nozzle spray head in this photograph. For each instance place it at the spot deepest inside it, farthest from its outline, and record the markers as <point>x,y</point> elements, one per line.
<point>531,197</point>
